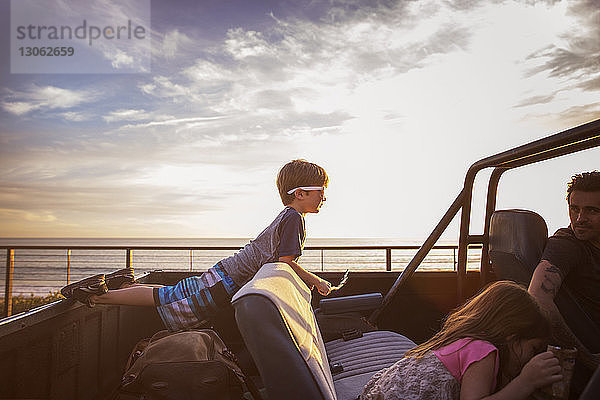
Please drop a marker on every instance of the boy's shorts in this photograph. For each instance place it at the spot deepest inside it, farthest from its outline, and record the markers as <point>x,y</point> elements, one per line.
<point>194,299</point>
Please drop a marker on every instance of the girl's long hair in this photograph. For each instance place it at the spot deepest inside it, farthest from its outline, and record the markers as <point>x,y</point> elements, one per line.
<point>503,311</point>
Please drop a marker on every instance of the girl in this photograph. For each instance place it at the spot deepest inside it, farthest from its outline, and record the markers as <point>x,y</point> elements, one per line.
<point>495,334</point>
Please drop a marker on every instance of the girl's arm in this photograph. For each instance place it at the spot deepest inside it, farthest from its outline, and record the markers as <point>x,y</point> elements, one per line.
<point>311,280</point>
<point>541,370</point>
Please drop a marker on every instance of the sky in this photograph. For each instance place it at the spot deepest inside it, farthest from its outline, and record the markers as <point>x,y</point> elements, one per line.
<point>184,133</point>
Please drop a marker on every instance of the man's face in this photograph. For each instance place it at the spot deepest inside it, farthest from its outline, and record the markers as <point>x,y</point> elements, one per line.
<point>584,212</point>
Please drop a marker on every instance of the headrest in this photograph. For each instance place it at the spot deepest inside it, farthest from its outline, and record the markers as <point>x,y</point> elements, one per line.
<point>519,233</point>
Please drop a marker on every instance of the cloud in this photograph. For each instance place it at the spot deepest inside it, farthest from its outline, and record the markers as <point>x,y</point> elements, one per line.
<point>144,199</point>
<point>164,88</point>
<point>536,100</point>
<point>134,115</point>
<point>293,79</point>
<point>132,55</point>
<point>591,84</point>
<point>206,71</point>
<point>561,62</point>
<point>120,59</point>
<point>173,42</point>
<point>242,44</point>
<point>273,99</point>
<point>40,98</point>
<point>173,122</point>
<point>379,81</point>
<point>72,207</point>
<point>77,116</point>
<point>579,54</point>
<point>18,107</point>
<point>44,216</point>
<point>78,187</point>
<point>298,66</point>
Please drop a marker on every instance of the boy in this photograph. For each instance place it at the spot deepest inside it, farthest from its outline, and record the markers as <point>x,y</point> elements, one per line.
<point>192,300</point>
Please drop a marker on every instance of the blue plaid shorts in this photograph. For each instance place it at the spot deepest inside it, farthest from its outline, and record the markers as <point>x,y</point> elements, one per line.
<point>195,299</point>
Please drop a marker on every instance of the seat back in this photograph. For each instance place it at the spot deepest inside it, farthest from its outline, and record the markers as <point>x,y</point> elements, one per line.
<point>517,241</point>
<point>276,320</point>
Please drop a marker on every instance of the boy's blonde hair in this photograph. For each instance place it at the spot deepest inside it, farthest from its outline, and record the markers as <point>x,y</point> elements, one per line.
<point>298,173</point>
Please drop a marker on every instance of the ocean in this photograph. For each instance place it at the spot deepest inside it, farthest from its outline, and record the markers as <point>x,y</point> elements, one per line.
<point>43,271</point>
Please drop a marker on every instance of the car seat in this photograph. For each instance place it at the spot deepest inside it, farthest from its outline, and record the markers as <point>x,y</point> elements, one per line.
<point>516,243</point>
<point>274,314</point>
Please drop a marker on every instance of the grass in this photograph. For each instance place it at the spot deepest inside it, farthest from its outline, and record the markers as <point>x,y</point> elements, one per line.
<point>22,303</point>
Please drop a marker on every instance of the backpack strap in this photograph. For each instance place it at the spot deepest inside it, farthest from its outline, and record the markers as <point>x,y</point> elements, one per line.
<point>252,388</point>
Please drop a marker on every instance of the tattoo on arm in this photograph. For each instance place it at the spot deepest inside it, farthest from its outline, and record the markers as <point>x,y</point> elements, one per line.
<point>552,269</point>
<point>548,286</point>
<point>550,279</point>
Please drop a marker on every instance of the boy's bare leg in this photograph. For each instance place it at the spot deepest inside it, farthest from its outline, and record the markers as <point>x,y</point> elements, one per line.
<point>138,295</point>
<point>141,284</point>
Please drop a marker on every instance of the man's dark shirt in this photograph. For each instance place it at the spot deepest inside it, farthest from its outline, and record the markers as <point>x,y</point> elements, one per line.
<point>579,265</point>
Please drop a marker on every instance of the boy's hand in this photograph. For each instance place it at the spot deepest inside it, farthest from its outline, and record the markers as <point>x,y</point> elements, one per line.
<point>323,286</point>
<point>309,278</point>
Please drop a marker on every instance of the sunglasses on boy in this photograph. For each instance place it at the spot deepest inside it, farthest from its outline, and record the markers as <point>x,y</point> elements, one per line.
<point>307,188</point>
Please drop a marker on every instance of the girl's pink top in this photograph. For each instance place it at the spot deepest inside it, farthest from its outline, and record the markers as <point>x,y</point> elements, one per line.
<point>457,356</point>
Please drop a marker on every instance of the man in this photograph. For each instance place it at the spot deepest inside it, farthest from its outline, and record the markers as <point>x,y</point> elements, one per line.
<point>572,258</point>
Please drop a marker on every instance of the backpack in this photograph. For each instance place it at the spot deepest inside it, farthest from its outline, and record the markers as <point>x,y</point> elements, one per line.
<point>186,365</point>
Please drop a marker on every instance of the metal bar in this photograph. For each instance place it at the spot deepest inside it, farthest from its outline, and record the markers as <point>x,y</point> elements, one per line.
<point>68,266</point>
<point>129,252</point>
<point>575,139</point>
<point>388,259</point>
<point>349,247</point>
<point>421,253</point>
<point>8,283</point>
<point>454,258</point>
<point>191,260</point>
<point>519,162</point>
<point>463,239</point>
<point>572,140</point>
<point>489,210</point>
<point>554,152</point>
<point>475,239</point>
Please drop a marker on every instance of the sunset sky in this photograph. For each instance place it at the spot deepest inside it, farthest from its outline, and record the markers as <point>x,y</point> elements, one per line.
<point>396,99</point>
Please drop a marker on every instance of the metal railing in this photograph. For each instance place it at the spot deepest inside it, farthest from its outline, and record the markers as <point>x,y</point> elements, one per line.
<point>368,260</point>
<point>579,138</point>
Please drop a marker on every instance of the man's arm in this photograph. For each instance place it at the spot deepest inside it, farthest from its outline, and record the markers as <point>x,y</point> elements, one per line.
<point>543,287</point>
<point>323,286</point>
